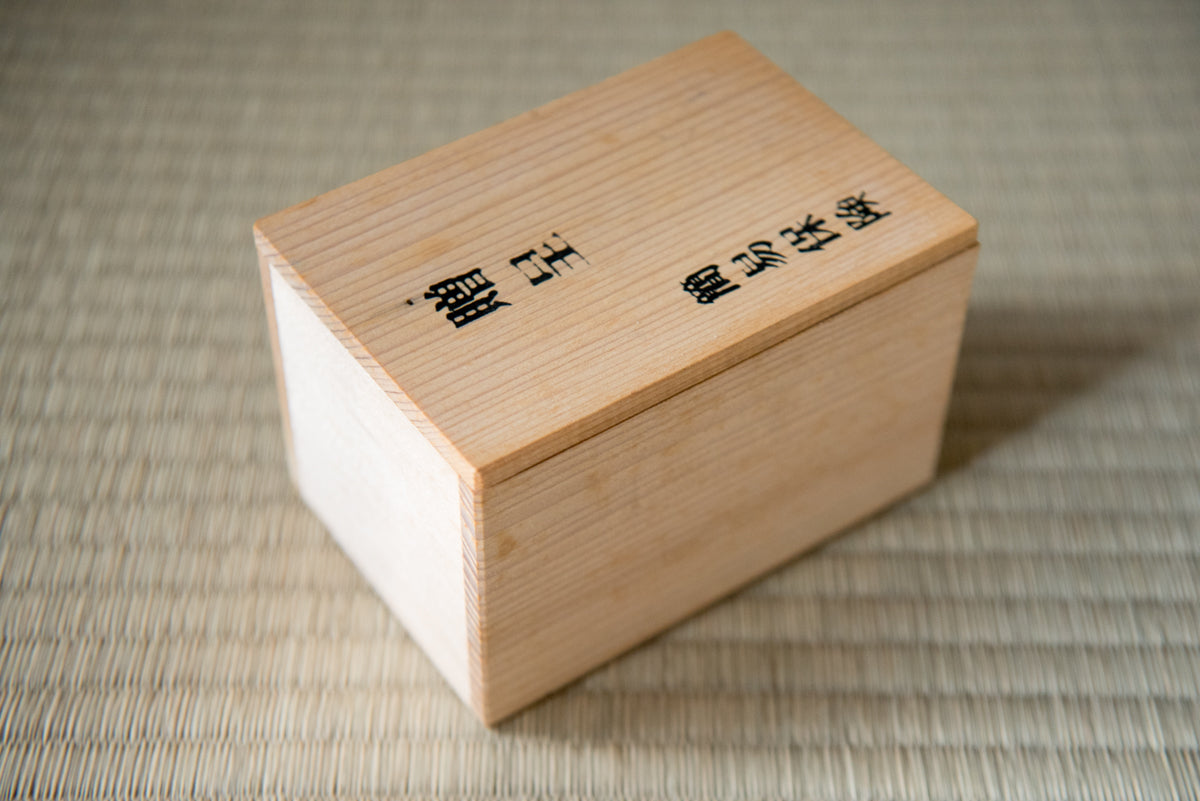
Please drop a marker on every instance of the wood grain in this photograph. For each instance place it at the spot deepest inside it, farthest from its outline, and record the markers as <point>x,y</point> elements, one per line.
<point>603,448</point>
<point>651,176</point>
<point>602,546</point>
<point>392,502</point>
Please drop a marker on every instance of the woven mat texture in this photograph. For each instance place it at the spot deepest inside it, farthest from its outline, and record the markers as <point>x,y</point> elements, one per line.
<point>174,622</point>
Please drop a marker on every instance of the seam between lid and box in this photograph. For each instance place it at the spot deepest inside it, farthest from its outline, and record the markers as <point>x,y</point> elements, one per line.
<point>657,391</point>
<point>604,418</point>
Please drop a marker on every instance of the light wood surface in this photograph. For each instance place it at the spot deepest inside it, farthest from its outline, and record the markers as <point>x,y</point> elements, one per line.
<point>651,176</point>
<point>597,548</point>
<point>561,383</point>
<point>391,501</point>
<point>603,545</point>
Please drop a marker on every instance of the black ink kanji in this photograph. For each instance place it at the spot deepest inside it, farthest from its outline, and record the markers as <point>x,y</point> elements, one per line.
<point>858,212</point>
<point>708,284</point>
<point>809,235</point>
<point>555,256</point>
<point>760,257</point>
<point>462,297</point>
<point>552,257</point>
<point>528,257</point>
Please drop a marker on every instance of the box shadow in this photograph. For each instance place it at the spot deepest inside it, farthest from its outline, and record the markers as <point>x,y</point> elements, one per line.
<point>1018,363</point>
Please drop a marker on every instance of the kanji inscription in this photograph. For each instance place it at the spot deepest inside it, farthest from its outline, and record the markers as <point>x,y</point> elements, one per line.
<point>856,212</point>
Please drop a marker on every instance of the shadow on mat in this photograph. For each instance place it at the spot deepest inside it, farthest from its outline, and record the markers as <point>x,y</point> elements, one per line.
<point>1018,364</point>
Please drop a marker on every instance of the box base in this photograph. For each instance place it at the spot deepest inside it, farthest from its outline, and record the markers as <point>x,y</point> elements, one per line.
<point>518,588</point>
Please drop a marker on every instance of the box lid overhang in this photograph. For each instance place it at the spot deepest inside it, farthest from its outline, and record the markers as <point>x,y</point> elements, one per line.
<point>657,179</point>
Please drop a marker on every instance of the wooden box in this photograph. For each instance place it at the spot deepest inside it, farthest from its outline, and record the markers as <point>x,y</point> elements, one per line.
<point>563,382</point>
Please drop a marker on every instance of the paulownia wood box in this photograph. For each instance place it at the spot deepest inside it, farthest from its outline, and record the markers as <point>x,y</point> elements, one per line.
<point>563,382</point>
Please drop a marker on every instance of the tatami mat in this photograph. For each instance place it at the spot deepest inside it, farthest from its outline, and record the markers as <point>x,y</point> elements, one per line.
<point>173,622</point>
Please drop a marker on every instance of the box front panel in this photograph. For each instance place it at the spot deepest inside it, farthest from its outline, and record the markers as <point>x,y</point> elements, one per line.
<point>603,545</point>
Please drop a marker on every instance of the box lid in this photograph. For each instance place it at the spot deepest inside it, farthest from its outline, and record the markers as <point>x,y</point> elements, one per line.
<point>531,285</point>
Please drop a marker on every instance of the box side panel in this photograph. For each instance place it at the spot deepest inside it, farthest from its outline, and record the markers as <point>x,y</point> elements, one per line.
<point>603,545</point>
<point>391,501</point>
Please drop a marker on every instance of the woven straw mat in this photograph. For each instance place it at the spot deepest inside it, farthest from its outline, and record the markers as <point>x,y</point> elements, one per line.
<point>174,622</point>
